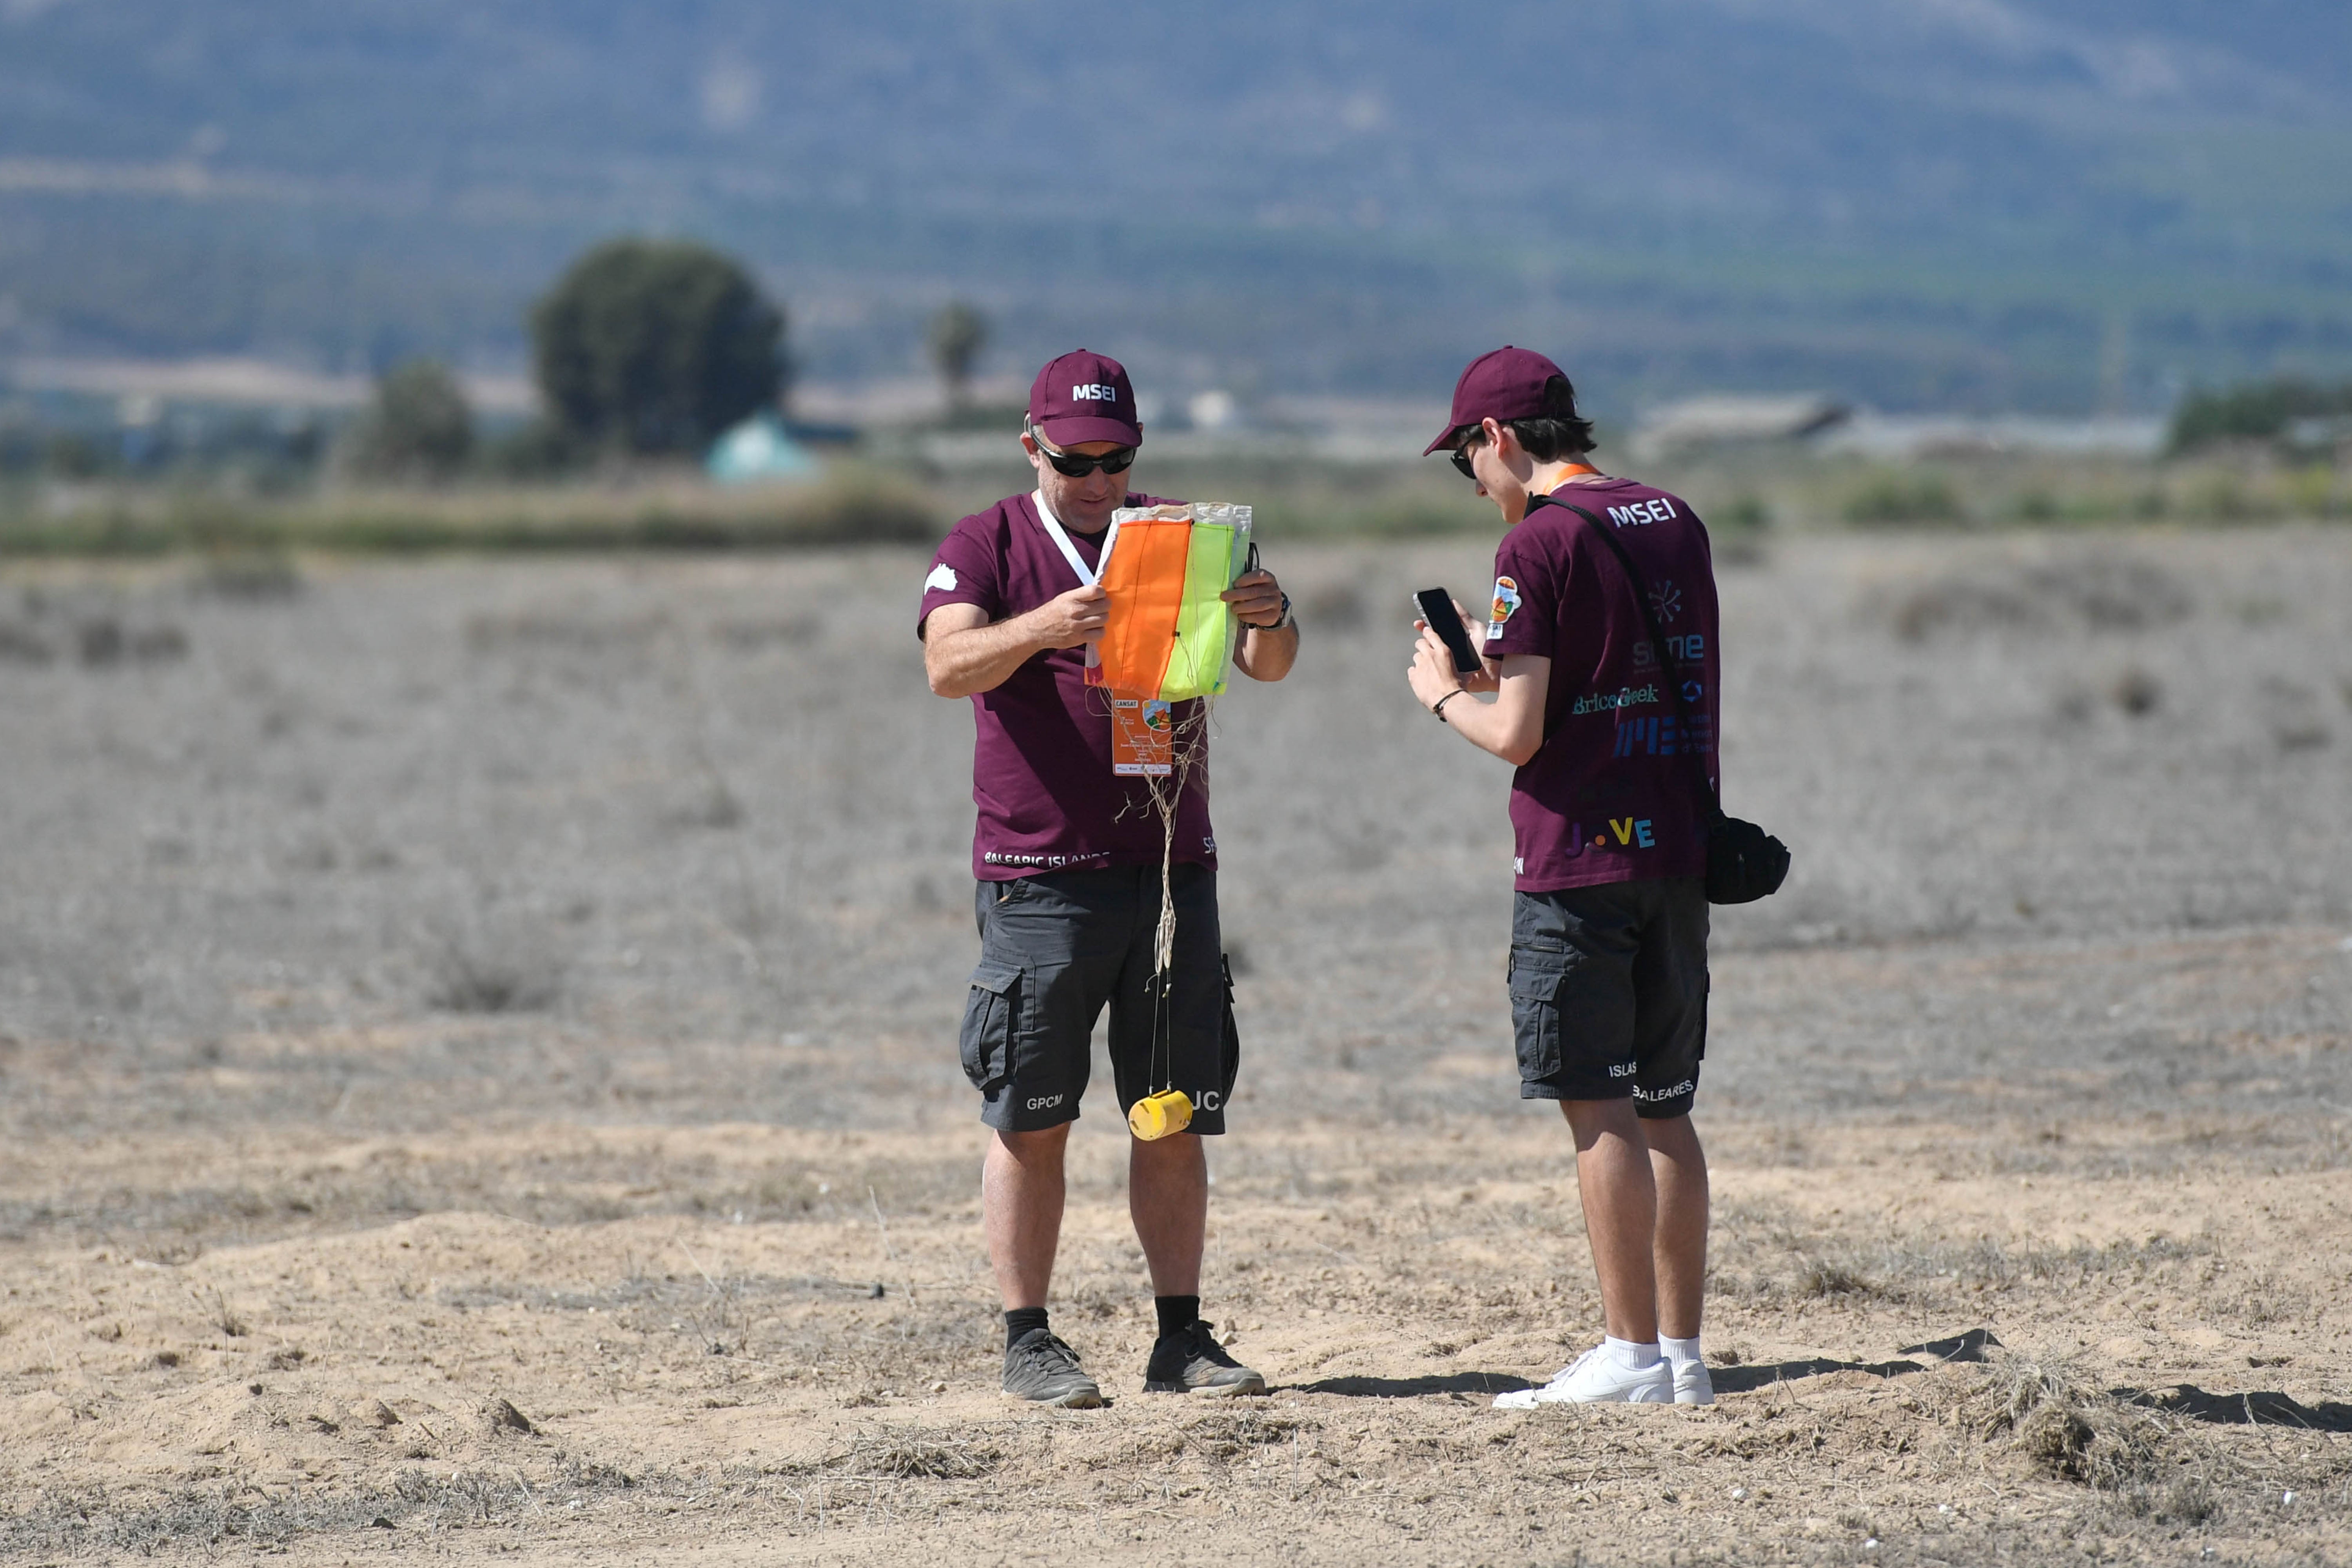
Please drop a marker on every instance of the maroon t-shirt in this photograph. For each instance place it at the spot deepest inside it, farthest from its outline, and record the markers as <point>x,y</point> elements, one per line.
<point>1612,796</point>
<point>1040,764</point>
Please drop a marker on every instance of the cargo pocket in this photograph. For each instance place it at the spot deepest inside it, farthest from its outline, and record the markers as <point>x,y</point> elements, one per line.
<point>989,1020</point>
<point>1230,1067</point>
<point>1536,979</point>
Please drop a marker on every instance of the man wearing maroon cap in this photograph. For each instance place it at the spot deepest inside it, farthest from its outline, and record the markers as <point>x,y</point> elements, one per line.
<point>1067,853</point>
<point>1609,732</point>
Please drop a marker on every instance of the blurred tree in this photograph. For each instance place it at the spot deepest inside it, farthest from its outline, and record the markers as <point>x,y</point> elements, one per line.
<point>649,346</point>
<point>957,335</point>
<point>420,427</point>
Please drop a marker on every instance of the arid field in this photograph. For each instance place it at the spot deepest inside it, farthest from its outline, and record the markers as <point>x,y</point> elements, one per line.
<point>477,1078</point>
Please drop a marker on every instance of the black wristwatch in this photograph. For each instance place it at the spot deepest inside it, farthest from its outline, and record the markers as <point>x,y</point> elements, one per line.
<point>1281,621</point>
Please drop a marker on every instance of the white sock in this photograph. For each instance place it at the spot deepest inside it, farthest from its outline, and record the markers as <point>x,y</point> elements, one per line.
<point>1629,1354</point>
<point>1680,1351</point>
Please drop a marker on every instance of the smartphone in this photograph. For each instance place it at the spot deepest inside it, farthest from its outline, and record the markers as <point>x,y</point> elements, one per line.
<point>1436,607</point>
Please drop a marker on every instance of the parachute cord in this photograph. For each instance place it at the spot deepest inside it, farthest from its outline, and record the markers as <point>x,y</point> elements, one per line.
<point>1169,799</point>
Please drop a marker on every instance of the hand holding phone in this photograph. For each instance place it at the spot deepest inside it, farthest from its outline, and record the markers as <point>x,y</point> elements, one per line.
<point>1436,607</point>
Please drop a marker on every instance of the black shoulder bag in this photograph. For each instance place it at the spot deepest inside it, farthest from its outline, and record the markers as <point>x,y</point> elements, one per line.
<point>1744,863</point>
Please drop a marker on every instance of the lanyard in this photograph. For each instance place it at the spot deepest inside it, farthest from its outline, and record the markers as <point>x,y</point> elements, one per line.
<point>1061,538</point>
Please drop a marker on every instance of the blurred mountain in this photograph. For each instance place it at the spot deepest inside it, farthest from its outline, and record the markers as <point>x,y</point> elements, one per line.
<point>1922,202</point>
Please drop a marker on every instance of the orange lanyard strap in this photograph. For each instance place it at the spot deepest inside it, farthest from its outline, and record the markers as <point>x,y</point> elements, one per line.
<point>1575,468</point>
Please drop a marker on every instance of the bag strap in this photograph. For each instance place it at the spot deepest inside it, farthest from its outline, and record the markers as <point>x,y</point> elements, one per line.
<point>1658,640</point>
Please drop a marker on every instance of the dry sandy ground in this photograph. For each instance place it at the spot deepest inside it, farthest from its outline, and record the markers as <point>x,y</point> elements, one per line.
<point>477,1079</point>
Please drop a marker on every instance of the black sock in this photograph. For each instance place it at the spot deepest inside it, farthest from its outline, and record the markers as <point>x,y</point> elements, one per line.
<point>1177,1313</point>
<point>1019,1322</point>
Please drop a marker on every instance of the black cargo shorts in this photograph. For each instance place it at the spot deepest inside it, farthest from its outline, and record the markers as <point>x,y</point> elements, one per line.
<point>1055,949</point>
<point>1608,993</point>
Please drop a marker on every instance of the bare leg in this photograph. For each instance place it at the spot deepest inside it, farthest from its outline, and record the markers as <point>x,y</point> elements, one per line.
<point>1168,1195</point>
<point>1621,1212</point>
<point>1679,1166</point>
<point>1020,1190</point>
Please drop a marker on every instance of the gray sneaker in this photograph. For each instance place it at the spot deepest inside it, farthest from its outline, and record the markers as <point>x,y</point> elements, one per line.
<point>1044,1370</point>
<point>1193,1362</point>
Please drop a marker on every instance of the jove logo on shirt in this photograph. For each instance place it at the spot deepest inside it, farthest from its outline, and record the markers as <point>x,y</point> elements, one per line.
<point>1624,832</point>
<point>1094,392</point>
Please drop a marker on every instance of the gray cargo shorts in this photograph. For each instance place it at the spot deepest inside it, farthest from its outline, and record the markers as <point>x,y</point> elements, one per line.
<point>1608,993</point>
<point>1055,949</point>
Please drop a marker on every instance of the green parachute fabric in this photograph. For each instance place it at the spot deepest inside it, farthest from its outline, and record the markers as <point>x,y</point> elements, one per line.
<point>1169,635</point>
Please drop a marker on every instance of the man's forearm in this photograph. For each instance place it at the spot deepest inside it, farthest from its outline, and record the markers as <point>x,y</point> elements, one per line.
<point>979,659</point>
<point>1265,655</point>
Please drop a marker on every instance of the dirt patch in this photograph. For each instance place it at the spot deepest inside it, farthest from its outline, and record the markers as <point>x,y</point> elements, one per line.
<point>476,1077</point>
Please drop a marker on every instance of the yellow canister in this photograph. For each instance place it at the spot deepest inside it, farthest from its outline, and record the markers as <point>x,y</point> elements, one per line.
<point>1158,1115</point>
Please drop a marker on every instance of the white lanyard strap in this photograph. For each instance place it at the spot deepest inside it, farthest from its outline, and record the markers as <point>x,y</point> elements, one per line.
<point>1061,538</point>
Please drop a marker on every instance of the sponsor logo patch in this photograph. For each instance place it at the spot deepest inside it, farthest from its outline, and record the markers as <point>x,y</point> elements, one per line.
<point>1094,392</point>
<point>1667,600</point>
<point>1626,697</point>
<point>1682,649</point>
<point>942,578</point>
<point>1044,1101</point>
<point>1654,1095</point>
<point>1664,737</point>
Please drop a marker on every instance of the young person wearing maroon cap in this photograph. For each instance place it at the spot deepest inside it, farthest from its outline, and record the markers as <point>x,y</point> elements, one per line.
<point>1608,976</point>
<point>1067,855</point>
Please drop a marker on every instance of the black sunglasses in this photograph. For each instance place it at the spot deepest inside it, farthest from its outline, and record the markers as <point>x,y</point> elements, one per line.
<point>1069,465</point>
<point>1461,456</point>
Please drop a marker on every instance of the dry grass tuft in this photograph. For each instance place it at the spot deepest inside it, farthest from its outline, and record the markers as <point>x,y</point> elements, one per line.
<point>1818,1280</point>
<point>1228,1434</point>
<point>2048,1413</point>
<point>484,980</point>
<point>911,1456</point>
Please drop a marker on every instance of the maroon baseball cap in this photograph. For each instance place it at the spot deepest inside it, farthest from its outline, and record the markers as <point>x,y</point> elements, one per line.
<point>1084,396</point>
<point>1503,384</point>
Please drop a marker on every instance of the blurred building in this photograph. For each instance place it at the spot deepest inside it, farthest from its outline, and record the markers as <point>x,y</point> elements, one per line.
<point>1700,423</point>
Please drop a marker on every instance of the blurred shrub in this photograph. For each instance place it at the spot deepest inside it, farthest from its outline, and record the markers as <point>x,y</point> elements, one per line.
<point>1746,512</point>
<point>72,456</point>
<point>536,450</point>
<point>2035,506</point>
<point>2226,497</point>
<point>652,346</point>
<point>2274,411</point>
<point>2312,491</point>
<point>1904,497</point>
<point>419,427</point>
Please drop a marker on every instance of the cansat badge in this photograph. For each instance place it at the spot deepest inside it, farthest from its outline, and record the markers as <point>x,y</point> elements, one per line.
<point>1506,599</point>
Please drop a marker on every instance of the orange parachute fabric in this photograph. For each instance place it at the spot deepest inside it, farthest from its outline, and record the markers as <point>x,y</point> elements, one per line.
<point>1169,631</point>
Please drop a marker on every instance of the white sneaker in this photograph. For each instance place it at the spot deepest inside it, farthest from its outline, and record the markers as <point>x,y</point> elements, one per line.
<point>1692,1385</point>
<point>1596,1377</point>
